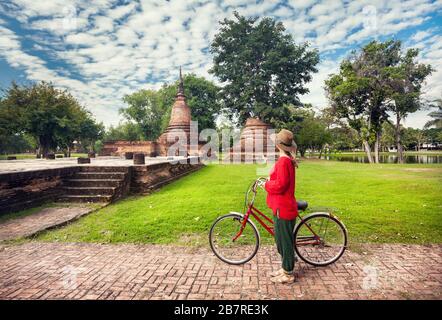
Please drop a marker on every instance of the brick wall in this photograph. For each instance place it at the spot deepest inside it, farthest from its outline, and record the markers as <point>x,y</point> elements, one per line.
<point>119,148</point>
<point>26,189</point>
<point>147,178</point>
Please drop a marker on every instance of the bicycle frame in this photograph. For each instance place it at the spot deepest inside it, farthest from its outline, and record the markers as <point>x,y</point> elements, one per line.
<point>256,213</point>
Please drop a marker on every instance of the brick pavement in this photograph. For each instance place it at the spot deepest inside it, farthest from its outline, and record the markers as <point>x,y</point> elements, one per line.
<point>42,220</point>
<point>38,270</point>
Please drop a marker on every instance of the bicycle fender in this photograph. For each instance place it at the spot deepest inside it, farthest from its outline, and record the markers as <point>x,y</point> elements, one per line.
<point>240,214</point>
<point>322,213</point>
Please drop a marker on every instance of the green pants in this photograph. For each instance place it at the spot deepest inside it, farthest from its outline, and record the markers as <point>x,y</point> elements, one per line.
<point>285,242</point>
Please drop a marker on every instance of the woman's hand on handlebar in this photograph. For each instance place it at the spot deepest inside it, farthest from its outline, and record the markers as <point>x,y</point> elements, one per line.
<point>260,182</point>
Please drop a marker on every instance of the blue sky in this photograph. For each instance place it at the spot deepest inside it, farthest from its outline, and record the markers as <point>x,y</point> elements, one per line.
<point>103,49</point>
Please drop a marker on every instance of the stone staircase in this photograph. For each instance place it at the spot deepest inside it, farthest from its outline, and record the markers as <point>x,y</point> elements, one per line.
<point>95,184</point>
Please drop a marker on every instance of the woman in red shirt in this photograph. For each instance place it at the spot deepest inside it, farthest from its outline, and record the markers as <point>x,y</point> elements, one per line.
<point>281,199</point>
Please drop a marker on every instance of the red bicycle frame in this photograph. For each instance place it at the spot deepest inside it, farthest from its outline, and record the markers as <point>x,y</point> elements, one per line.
<point>302,240</point>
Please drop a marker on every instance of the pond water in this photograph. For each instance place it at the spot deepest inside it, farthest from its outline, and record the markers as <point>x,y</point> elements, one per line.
<point>387,158</point>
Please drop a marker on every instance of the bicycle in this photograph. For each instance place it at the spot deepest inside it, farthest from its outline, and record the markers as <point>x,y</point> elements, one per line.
<point>320,238</point>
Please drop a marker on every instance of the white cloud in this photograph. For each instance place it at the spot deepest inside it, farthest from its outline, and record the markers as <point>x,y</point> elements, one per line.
<point>118,48</point>
<point>317,95</point>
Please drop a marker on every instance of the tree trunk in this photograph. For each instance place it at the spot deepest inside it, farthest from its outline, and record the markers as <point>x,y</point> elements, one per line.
<point>302,152</point>
<point>376,147</point>
<point>44,150</point>
<point>400,150</point>
<point>367,151</point>
<point>320,153</point>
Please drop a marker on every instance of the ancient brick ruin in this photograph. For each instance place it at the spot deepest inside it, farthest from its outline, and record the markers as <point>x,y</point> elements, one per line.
<point>178,128</point>
<point>255,143</point>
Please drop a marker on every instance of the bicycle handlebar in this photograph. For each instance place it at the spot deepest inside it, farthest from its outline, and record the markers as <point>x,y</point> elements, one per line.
<point>259,183</point>
<point>252,187</point>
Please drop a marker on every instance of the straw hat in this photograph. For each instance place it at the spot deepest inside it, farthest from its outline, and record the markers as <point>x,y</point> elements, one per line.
<point>284,140</point>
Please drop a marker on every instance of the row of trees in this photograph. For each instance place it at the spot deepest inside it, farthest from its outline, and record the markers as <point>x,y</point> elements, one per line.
<point>46,118</point>
<point>320,133</point>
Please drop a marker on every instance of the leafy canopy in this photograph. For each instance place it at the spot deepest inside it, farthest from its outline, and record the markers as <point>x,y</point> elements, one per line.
<point>261,67</point>
<point>50,115</point>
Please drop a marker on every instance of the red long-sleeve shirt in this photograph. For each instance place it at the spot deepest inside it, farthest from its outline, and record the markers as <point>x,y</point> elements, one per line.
<point>281,189</point>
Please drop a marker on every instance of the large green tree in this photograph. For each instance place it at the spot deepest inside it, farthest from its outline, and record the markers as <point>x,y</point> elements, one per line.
<point>350,101</point>
<point>50,115</point>
<point>405,82</point>
<point>261,67</point>
<point>145,109</point>
<point>377,79</point>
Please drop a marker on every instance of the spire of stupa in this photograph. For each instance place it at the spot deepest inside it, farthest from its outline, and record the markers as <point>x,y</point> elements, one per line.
<point>181,85</point>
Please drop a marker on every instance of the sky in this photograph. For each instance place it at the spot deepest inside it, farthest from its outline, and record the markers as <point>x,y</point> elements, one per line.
<point>101,50</point>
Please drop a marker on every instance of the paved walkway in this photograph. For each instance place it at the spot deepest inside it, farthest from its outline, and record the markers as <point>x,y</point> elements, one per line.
<point>8,166</point>
<point>36,270</point>
<point>39,221</point>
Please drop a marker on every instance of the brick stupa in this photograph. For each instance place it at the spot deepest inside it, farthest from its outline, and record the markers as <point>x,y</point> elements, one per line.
<point>179,123</point>
<point>254,144</point>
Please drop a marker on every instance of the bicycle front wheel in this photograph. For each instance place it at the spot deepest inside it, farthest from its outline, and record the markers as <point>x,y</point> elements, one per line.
<point>320,239</point>
<point>227,245</point>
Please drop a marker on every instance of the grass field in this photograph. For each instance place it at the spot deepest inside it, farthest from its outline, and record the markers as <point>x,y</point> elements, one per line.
<point>378,203</point>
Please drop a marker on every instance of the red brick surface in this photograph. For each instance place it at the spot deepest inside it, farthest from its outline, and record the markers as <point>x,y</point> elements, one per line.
<point>37,270</point>
<point>42,220</point>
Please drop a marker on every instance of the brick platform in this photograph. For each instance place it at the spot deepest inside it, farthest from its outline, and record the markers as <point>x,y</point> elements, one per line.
<point>44,219</point>
<point>91,271</point>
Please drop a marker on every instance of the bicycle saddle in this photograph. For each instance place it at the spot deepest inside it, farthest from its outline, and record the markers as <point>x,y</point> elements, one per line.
<point>302,205</point>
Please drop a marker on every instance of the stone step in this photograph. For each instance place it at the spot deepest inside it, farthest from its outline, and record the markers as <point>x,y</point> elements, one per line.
<point>104,169</point>
<point>95,191</point>
<point>99,175</point>
<point>92,182</point>
<point>85,198</point>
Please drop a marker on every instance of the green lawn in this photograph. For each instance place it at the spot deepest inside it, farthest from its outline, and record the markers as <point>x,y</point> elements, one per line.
<point>378,203</point>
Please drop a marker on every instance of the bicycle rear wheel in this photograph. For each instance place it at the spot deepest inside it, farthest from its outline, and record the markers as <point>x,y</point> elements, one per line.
<point>320,239</point>
<point>223,243</point>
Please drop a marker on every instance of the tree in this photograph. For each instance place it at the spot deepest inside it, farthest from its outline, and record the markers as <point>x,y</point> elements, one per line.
<point>90,132</point>
<point>405,83</point>
<point>414,138</point>
<point>310,131</point>
<point>202,97</point>
<point>146,110</point>
<point>350,100</point>
<point>388,136</point>
<point>377,74</point>
<point>343,138</point>
<point>124,131</point>
<point>436,115</point>
<point>17,143</point>
<point>52,116</point>
<point>433,135</point>
<point>261,67</point>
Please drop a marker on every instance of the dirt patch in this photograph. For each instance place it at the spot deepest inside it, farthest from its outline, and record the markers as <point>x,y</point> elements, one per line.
<point>193,239</point>
<point>423,169</point>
